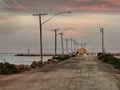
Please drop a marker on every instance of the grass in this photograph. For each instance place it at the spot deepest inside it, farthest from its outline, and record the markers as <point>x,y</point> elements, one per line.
<point>62,58</point>
<point>7,68</point>
<point>110,59</point>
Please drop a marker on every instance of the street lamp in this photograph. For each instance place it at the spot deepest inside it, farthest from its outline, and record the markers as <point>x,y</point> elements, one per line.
<point>54,16</point>
<point>40,26</point>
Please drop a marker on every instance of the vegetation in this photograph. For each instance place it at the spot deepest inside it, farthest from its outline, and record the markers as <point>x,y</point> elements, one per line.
<point>62,58</point>
<point>109,58</point>
<point>6,69</point>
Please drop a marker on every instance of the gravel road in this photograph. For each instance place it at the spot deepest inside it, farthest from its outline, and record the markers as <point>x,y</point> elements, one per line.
<point>77,73</point>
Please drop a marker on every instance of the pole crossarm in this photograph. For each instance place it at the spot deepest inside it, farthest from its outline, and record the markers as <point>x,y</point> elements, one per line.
<point>55,29</point>
<point>40,14</point>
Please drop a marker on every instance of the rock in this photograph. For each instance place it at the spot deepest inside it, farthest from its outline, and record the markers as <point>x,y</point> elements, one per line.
<point>37,64</point>
<point>34,64</point>
<point>27,67</point>
<point>49,61</point>
<point>20,67</point>
<point>54,61</point>
<point>40,64</point>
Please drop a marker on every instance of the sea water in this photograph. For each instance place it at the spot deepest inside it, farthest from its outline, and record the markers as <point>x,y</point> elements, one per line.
<point>11,58</point>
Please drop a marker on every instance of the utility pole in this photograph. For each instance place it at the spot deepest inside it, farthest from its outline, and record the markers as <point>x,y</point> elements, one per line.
<point>62,42</point>
<point>28,51</point>
<point>81,45</point>
<point>67,46</point>
<point>74,45</point>
<point>71,45</point>
<point>77,46</point>
<point>102,31</point>
<point>55,40</point>
<point>84,44</point>
<point>40,27</point>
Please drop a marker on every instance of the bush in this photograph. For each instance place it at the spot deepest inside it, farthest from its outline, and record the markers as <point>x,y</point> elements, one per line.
<point>62,58</point>
<point>109,58</point>
<point>99,54</point>
<point>6,69</point>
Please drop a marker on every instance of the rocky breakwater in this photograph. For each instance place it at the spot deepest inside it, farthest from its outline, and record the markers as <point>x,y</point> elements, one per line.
<point>35,64</point>
<point>7,68</point>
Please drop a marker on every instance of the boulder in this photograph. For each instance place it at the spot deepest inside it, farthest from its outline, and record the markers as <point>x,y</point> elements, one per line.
<point>54,61</point>
<point>34,64</point>
<point>20,67</point>
<point>27,67</point>
<point>37,64</point>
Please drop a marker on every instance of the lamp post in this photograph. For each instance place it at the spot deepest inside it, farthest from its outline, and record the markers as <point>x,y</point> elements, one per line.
<point>40,26</point>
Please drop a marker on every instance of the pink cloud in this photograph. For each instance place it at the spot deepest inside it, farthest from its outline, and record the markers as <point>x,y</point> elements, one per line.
<point>89,8</point>
<point>3,19</point>
<point>81,0</point>
<point>17,7</point>
<point>112,1</point>
<point>96,8</point>
<point>96,5</point>
<point>20,7</point>
<point>77,5</point>
<point>109,6</point>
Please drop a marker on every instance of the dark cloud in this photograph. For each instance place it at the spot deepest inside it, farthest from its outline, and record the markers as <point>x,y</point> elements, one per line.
<point>25,6</point>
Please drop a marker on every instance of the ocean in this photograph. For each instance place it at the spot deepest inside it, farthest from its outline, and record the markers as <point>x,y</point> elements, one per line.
<point>11,58</point>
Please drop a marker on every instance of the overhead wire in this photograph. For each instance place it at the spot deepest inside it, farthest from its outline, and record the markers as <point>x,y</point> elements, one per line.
<point>12,6</point>
<point>27,5</point>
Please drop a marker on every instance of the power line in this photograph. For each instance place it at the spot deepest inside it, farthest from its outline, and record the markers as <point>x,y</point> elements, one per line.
<point>27,4</point>
<point>12,6</point>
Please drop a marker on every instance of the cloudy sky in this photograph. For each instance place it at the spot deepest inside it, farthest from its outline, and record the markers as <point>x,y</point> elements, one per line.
<point>19,29</point>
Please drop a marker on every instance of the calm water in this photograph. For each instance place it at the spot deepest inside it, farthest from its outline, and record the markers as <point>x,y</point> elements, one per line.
<point>20,60</point>
<point>117,57</point>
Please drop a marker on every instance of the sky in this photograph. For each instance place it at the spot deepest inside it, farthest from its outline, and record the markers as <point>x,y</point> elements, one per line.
<point>19,29</point>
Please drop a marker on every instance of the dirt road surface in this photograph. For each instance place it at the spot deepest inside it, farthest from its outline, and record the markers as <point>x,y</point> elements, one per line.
<point>77,73</point>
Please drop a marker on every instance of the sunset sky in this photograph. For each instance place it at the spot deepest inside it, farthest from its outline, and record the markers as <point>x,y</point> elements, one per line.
<point>19,29</point>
